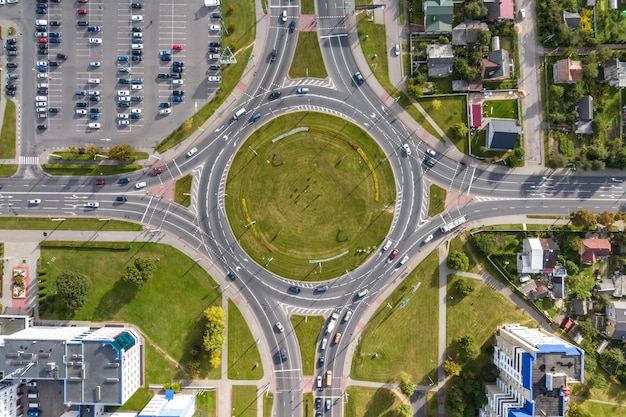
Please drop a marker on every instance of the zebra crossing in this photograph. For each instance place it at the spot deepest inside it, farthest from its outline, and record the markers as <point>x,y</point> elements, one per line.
<point>302,311</point>
<point>29,160</point>
<point>320,109</point>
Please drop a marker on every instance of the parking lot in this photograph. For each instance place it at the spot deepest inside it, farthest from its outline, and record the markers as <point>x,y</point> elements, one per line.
<point>108,89</point>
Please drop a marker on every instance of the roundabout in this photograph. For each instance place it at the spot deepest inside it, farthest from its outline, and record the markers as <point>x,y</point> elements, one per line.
<point>310,196</point>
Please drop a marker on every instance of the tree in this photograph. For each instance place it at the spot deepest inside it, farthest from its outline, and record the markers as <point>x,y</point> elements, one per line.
<point>73,151</point>
<point>576,411</point>
<point>407,387</point>
<point>123,152</point>
<point>458,260</point>
<point>572,268</point>
<point>570,245</point>
<point>72,289</point>
<point>580,286</point>
<point>139,271</point>
<point>583,218</point>
<point>459,130</point>
<point>484,37</point>
<point>486,244</point>
<point>464,286</point>
<point>586,329</point>
<point>404,410</point>
<point>606,218</point>
<point>451,368</point>
<point>213,340</point>
<point>460,67</point>
<point>92,150</point>
<point>597,381</point>
<point>415,90</point>
<point>556,91</point>
<point>590,363</point>
<point>475,10</point>
<point>436,104</point>
<point>604,300</point>
<point>466,347</point>
<point>613,358</point>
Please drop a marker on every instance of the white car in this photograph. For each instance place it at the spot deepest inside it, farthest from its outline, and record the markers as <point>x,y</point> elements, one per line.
<point>280,327</point>
<point>136,18</point>
<point>406,149</point>
<point>136,46</point>
<point>41,104</point>
<point>137,34</point>
<point>94,81</point>
<point>122,122</point>
<point>123,93</point>
<point>213,56</point>
<point>41,34</point>
<point>136,87</point>
<point>191,152</point>
<point>214,78</point>
<point>41,98</point>
<point>42,75</point>
<point>140,185</point>
<point>165,111</point>
<point>92,204</point>
<point>34,202</point>
<point>431,152</point>
<point>94,93</point>
<point>123,99</point>
<point>122,116</point>
<point>95,41</point>
<point>136,111</point>
<point>387,245</point>
<point>215,27</point>
<point>396,50</point>
<point>177,82</point>
<point>42,64</point>
<point>404,260</point>
<point>81,112</point>
<point>428,238</point>
<point>94,125</point>
<point>95,64</point>
<point>42,85</point>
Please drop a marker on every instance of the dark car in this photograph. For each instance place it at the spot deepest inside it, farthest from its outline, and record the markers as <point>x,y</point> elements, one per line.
<point>136,58</point>
<point>216,15</point>
<point>41,11</point>
<point>359,78</point>
<point>11,87</point>
<point>136,99</point>
<point>11,41</point>
<point>135,116</point>
<point>123,105</point>
<point>215,44</point>
<point>137,52</point>
<point>231,276</point>
<point>214,67</point>
<point>164,105</point>
<point>292,26</point>
<point>177,70</point>
<point>294,289</point>
<point>42,127</point>
<point>54,23</point>
<point>11,47</point>
<point>99,182</point>
<point>176,76</point>
<point>178,93</point>
<point>214,50</point>
<point>157,171</point>
<point>82,23</point>
<point>55,40</point>
<point>163,76</point>
<point>283,355</point>
<point>81,104</point>
<point>53,64</point>
<point>274,95</point>
<point>123,181</point>
<point>323,288</point>
<point>94,98</point>
<point>137,29</point>
<point>11,65</point>
<point>11,93</point>
<point>135,5</point>
<point>43,91</point>
<point>41,28</point>
<point>42,51</point>
<point>318,402</point>
<point>94,110</point>
<point>121,199</point>
<point>54,34</point>
<point>53,110</point>
<point>61,56</point>
<point>392,255</point>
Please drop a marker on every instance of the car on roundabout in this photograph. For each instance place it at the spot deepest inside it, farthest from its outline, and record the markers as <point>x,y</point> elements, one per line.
<point>279,327</point>
<point>140,185</point>
<point>392,255</point>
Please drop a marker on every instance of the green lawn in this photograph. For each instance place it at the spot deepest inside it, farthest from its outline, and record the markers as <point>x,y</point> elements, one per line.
<point>244,401</point>
<point>603,410</point>
<point>446,113</point>
<point>37,223</point>
<point>6,170</point>
<point>464,316</point>
<point>335,206</point>
<point>88,170</point>
<point>308,56</point>
<point>404,339</point>
<point>614,391</point>
<point>307,331</point>
<point>370,402</point>
<point>180,329</point>
<point>69,156</point>
<point>307,7</point>
<point>7,135</point>
<point>183,189</point>
<point>159,370</point>
<point>268,403</point>
<point>503,109</point>
<point>243,354</point>
<point>308,407</point>
<point>462,243</point>
<point>437,200</point>
<point>206,404</point>
<point>138,400</point>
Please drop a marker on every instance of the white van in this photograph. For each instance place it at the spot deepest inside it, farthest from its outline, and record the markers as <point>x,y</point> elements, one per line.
<point>94,81</point>
<point>239,113</point>
<point>324,343</point>
<point>33,405</point>
<point>42,22</point>
<point>362,293</point>
<point>283,16</point>
<point>524,278</point>
<point>33,395</point>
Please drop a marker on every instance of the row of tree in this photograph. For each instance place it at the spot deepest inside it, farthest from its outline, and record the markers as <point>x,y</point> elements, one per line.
<point>123,152</point>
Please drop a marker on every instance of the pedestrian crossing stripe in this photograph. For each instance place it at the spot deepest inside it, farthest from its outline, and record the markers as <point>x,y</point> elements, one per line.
<point>29,160</point>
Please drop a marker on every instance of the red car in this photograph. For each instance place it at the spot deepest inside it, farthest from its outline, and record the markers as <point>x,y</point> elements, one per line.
<point>392,255</point>
<point>157,171</point>
<point>81,11</point>
<point>42,40</point>
<point>98,182</point>
<point>177,47</point>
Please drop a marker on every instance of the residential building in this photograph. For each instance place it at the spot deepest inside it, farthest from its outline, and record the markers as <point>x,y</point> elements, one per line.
<point>567,71</point>
<point>10,400</point>
<point>468,33</point>
<point>585,116</point>
<point>438,16</point>
<point>538,256</point>
<point>440,60</point>
<point>572,20</point>
<point>502,134</point>
<point>497,65</point>
<point>169,405</point>
<point>578,307</point>
<point>616,320</point>
<point>499,10</point>
<point>535,372</point>
<point>97,366</point>
<point>593,249</point>
<point>613,72</point>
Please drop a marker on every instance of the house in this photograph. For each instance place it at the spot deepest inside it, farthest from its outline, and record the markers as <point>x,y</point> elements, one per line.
<point>557,287</point>
<point>440,60</point>
<point>567,71</point>
<point>499,10</point>
<point>502,134</point>
<point>593,248</point>
<point>613,72</point>
<point>535,370</point>
<point>497,65</point>
<point>616,320</point>
<point>438,16</point>
<point>585,116</point>
<point>467,33</point>
<point>476,111</point>
<point>578,307</point>
<point>94,366</point>
<point>169,405</point>
<point>538,293</point>
<point>538,256</point>
<point>572,20</point>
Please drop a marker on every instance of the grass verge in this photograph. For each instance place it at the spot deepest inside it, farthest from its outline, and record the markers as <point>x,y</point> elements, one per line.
<point>363,401</point>
<point>307,331</point>
<point>603,410</point>
<point>308,56</point>
<point>391,333</point>
<point>613,392</point>
<point>6,170</point>
<point>68,156</point>
<point>437,200</point>
<point>432,406</point>
<point>244,401</point>
<point>268,404</point>
<point>183,190</point>
<point>111,299</point>
<point>138,401</point>
<point>461,243</point>
<point>88,170</point>
<point>243,354</point>
<point>308,408</point>
<point>8,135</point>
<point>206,404</point>
<point>446,111</point>
<point>38,223</point>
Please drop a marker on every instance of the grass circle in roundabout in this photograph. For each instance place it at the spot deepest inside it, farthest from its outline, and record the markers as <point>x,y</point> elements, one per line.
<point>309,196</point>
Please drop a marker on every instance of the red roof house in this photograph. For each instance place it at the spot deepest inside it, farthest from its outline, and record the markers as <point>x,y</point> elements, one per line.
<point>568,71</point>
<point>594,248</point>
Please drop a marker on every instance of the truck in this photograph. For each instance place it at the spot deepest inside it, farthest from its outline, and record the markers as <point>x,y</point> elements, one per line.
<point>453,225</point>
<point>332,323</point>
